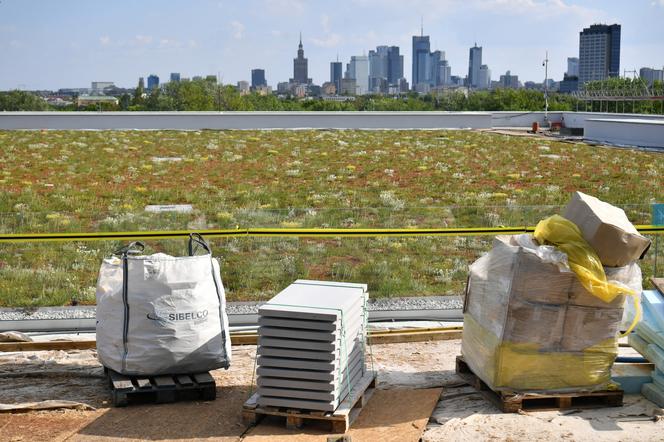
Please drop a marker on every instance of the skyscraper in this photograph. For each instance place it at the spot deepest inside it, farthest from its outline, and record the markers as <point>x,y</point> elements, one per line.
<point>300,67</point>
<point>358,69</point>
<point>394,66</point>
<point>153,82</point>
<point>385,68</point>
<point>485,77</point>
<point>175,77</point>
<point>258,78</point>
<point>474,64</point>
<point>336,74</point>
<point>444,73</point>
<point>599,53</point>
<point>421,59</point>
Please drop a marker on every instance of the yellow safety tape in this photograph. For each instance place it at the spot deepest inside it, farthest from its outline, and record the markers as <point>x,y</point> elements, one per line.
<point>277,232</point>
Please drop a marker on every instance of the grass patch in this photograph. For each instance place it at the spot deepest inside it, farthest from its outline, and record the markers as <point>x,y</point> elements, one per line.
<point>60,181</point>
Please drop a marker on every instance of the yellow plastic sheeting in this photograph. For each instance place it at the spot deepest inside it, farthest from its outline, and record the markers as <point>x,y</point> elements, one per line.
<point>524,367</point>
<point>583,260</point>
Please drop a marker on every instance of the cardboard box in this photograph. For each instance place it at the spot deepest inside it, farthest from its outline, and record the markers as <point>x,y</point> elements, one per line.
<point>607,230</point>
<point>539,324</point>
<point>586,327</point>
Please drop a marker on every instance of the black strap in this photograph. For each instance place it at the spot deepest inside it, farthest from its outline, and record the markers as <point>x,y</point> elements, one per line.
<point>133,248</point>
<point>196,240</point>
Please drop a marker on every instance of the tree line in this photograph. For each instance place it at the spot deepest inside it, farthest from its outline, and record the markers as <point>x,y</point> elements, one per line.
<point>207,95</point>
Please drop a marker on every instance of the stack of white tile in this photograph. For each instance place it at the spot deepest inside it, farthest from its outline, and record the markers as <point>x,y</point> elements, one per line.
<point>311,345</point>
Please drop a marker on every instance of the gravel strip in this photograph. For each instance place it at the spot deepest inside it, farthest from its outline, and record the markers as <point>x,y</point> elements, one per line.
<point>237,308</point>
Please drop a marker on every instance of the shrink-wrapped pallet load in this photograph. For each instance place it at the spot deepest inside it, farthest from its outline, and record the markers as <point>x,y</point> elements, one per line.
<point>531,323</point>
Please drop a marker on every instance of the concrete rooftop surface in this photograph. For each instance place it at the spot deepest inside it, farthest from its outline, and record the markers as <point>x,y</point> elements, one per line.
<point>418,395</point>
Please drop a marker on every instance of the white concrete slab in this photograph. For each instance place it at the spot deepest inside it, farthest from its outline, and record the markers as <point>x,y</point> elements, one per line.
<point>307,375</point>
<point>299,393</point>
<point>352,329</point>
<point>315,300</point>
<point>267,381</point>
<point>308,364</point>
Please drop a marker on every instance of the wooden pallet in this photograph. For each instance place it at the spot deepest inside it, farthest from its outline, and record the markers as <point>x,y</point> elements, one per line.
<point>127,390</point>
<point>513,402</point>
<point>339,421</point>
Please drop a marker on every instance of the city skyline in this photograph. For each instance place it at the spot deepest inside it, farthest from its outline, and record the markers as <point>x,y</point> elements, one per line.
<point>62,45</point>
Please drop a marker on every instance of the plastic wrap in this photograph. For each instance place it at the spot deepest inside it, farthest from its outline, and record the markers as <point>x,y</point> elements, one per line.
<point>530,325</point>
<point>583,260</point>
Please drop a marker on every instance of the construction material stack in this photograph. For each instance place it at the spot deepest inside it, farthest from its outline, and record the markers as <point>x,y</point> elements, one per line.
<point>531,323</point>
<point>311,345</point>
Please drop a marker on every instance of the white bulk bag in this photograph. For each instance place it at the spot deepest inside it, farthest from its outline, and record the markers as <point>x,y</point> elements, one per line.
<point>160,314</point>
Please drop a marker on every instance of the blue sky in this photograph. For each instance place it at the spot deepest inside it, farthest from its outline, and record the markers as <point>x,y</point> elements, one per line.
<point>69,43</point>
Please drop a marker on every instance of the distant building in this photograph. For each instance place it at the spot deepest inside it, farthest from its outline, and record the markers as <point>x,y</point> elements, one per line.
<point>336,74</point>
<point>197,78</point>
<point>300,90</point>
<point>258,78</point>
<point>455,80</point>
<point>572,66</point>
<point>403,85</point>
<point>329,87</point>
<point>243,87</point>
<point>175,77</point>
<point>421,60</point>
<point>569,84</point>
<point>141,83</point>
<point>263,90</point>
<point>97,87</point>
<point>430,69</point>
<point>474,64</point>
<point>358,69</point>
<point>394,66</point>
<point>385,68</point>
<point>599,53</point>
<point>300,67</point>
<point>509,81</point>
<point>74,91</point>
<point>153,82</point>
<point>348,86</point>
<point>484,77</point>
<point>651,75</point>
<point>284,87</point>
<point>87,100</point>
<point>378,65</point>
<point>445,73</point>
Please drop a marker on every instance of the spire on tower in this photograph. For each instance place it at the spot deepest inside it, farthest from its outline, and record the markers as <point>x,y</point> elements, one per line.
<point>421,26</point>
<point>300,38</point>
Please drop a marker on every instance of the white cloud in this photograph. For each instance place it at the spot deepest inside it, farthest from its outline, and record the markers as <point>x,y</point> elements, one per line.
<point>105,40</point>
<point>238,29</point>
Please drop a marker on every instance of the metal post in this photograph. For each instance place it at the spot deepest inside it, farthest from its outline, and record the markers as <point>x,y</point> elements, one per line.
<point>546,88</point>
